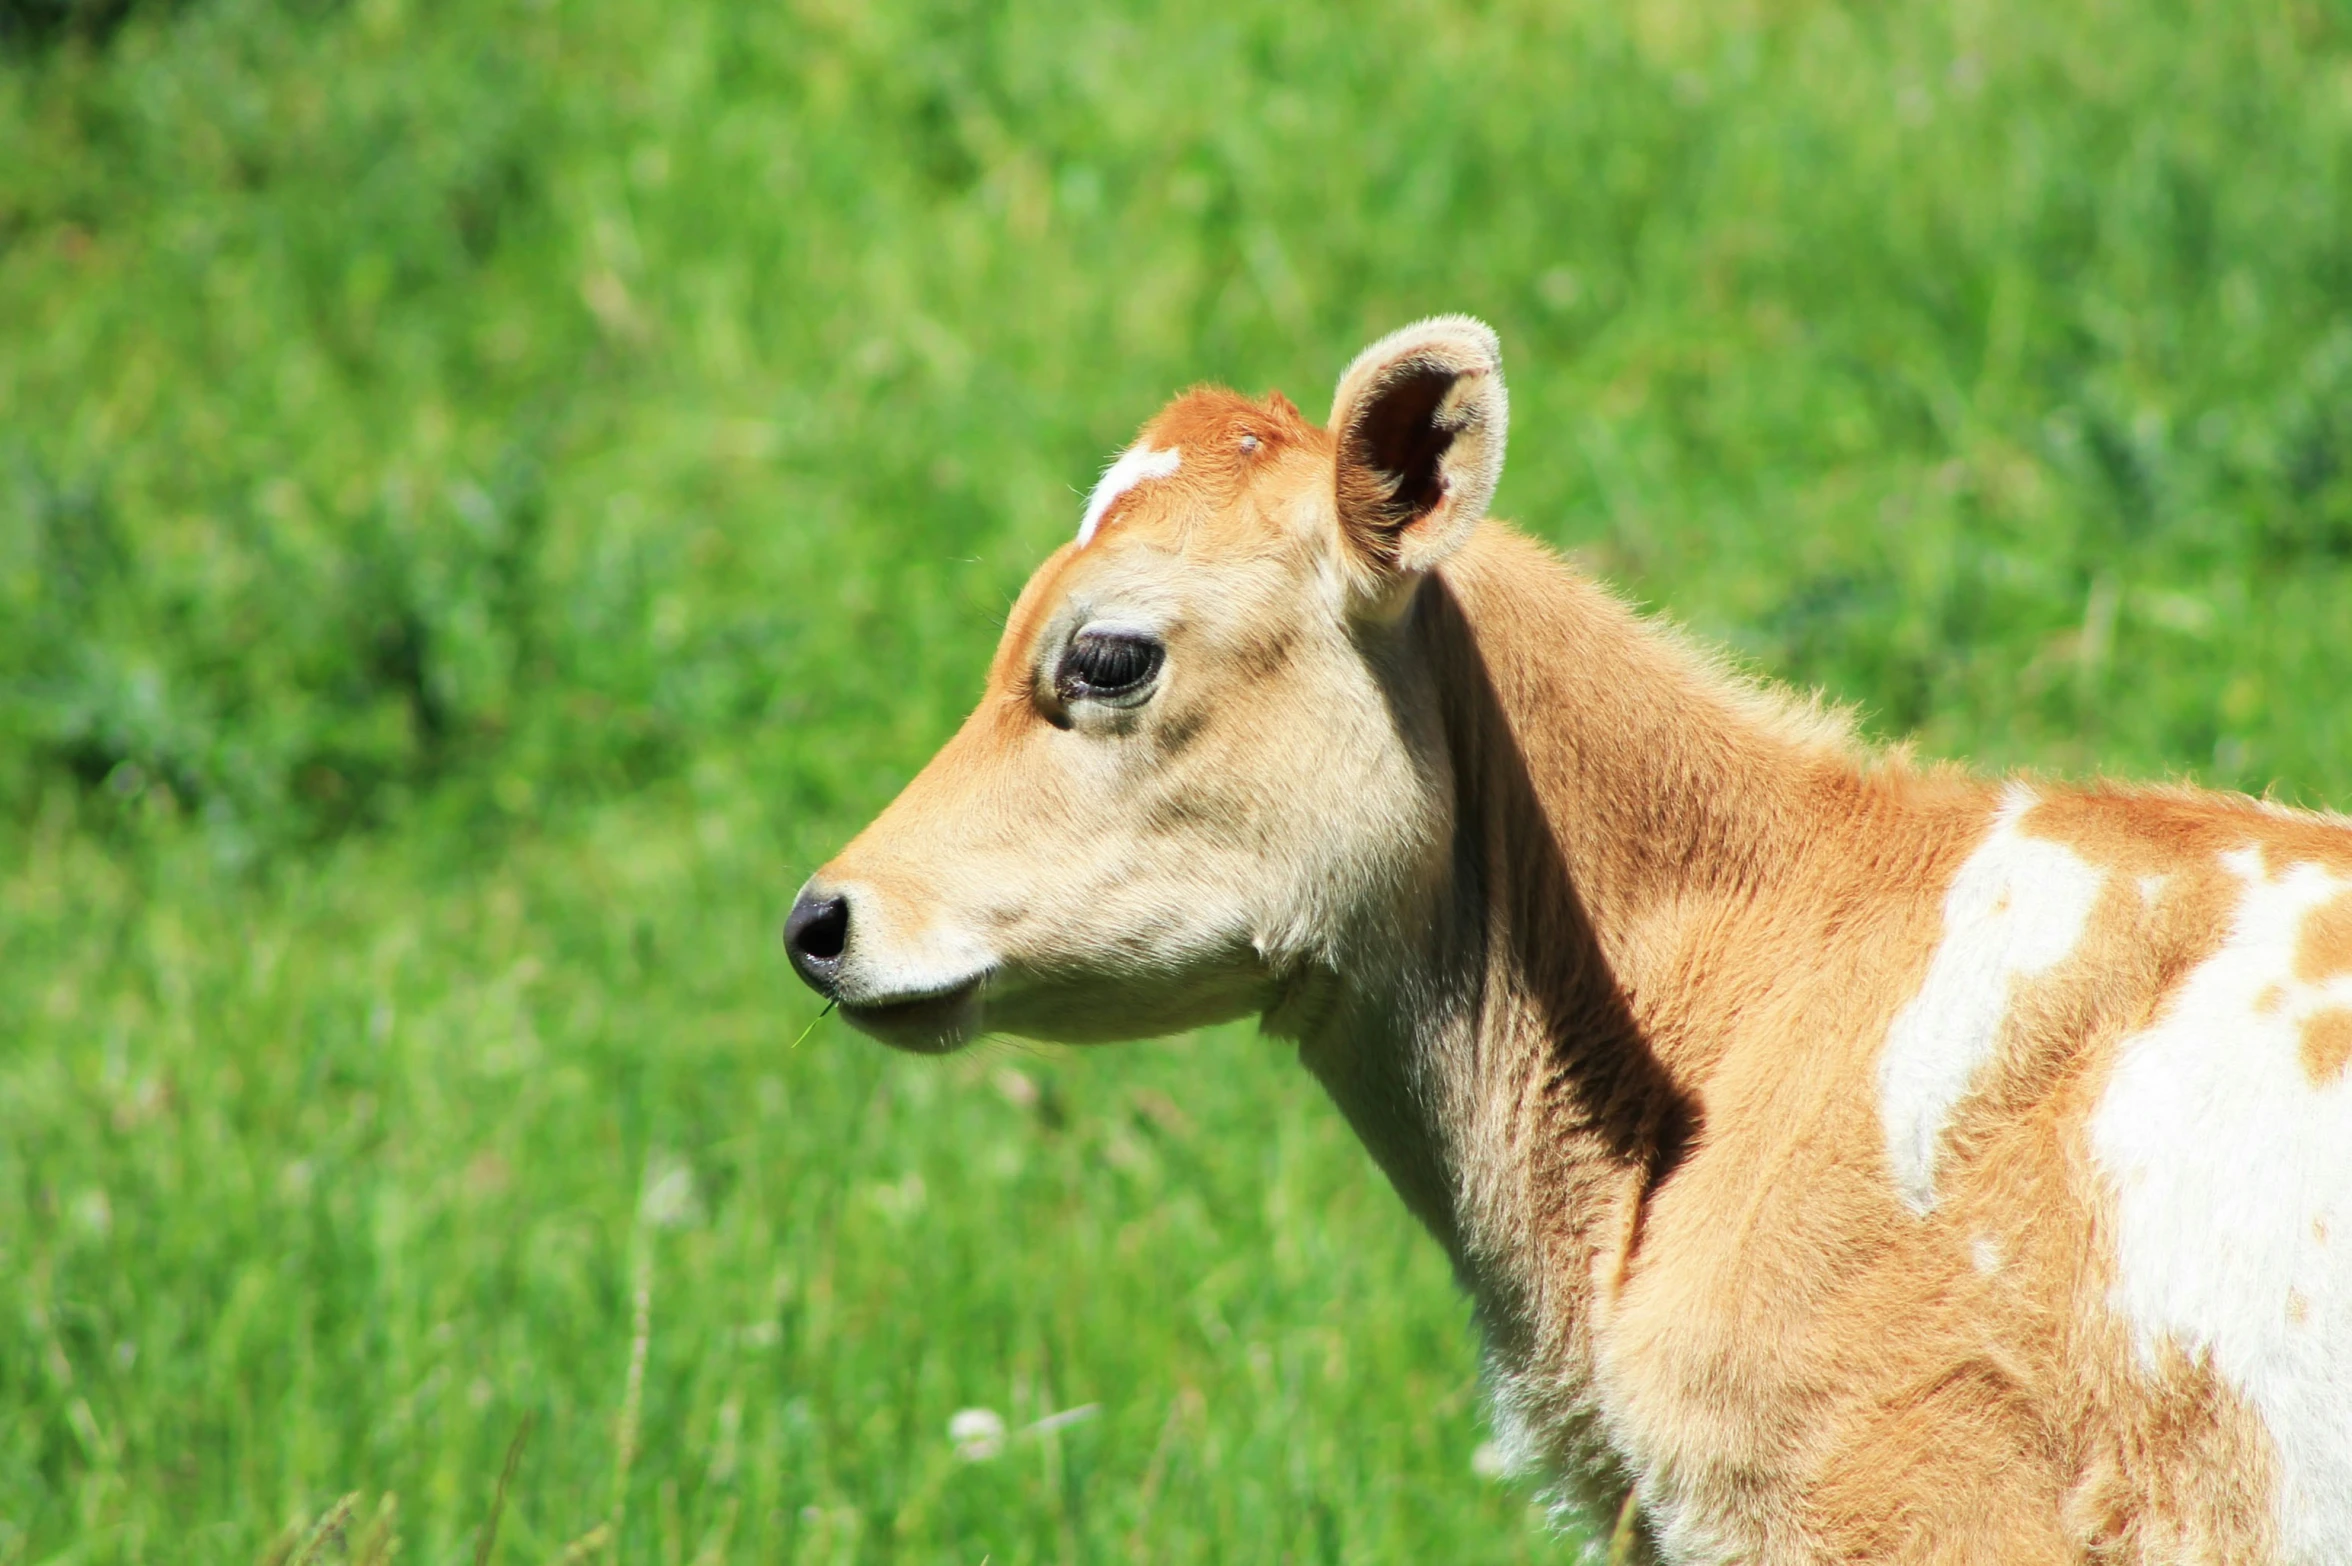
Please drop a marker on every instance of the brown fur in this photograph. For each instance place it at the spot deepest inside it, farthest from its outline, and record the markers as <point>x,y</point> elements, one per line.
<point>2327,1044</point>
<point>2326,947</point>
<point>1597,947</point>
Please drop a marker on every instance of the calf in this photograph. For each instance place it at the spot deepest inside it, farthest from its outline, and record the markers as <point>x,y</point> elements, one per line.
<point>1854,1160</point>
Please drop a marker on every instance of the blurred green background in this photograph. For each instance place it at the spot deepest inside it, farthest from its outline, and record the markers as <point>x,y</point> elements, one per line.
<point>491,494</point>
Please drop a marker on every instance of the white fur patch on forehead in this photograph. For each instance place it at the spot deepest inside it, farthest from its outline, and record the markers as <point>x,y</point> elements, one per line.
<point>1135,465</point>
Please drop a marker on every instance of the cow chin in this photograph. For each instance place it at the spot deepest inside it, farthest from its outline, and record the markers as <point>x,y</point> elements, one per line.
<point>1068,1007</point>
<point>927,1025</point>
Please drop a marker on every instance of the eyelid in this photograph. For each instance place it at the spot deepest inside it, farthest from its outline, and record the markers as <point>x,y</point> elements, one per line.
<point>1129,628</point>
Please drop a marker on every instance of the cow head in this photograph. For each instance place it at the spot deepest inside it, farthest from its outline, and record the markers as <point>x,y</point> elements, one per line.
<point>1207,755</point>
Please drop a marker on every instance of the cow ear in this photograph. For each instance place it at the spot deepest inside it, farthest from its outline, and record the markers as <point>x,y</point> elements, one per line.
<point>1419,420</point>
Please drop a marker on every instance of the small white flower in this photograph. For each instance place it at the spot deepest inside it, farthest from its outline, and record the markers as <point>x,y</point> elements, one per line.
<point>1488,1462</point>
<point>978,1434</point>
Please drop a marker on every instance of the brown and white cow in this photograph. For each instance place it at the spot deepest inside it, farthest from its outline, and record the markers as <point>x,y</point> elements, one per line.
<point>1859,1161</point>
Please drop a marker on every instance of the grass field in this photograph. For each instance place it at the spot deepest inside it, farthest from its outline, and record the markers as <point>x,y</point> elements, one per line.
<point>491,494</point>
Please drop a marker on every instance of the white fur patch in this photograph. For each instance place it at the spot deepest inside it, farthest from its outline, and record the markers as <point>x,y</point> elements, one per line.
<point>1135,464</point>
<point>2232,1175</point>
<point>2015,910</point>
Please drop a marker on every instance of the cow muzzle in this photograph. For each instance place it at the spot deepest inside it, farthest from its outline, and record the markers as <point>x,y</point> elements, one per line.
<point>917,999</point>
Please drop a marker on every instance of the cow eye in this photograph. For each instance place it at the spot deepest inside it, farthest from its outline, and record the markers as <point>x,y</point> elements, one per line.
<point>1108,665</point>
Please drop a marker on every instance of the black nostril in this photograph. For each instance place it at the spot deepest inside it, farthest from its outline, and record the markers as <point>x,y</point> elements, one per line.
<point>826,929</point>
<point>815,933</point>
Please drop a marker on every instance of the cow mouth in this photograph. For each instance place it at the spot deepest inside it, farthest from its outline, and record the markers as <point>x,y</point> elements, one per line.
<point>929,1024</point>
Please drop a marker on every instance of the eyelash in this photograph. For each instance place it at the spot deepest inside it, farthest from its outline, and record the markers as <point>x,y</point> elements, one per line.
<point>1105,665</point>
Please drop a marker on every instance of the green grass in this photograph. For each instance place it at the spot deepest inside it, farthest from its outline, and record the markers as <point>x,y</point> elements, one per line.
<point>490,495</point>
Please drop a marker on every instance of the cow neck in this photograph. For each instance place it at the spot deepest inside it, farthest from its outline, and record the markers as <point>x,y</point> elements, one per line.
<point>1525,1067</point>
<point>1620,778</point>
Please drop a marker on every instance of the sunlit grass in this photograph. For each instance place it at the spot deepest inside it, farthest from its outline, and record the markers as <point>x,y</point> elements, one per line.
<point>491,495</point>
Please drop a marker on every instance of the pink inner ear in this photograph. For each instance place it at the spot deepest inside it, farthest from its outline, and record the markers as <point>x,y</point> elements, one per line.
<point>1135,465</point>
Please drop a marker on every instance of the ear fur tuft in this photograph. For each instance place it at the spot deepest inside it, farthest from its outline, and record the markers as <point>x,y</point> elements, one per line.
<point>1420,418</point>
